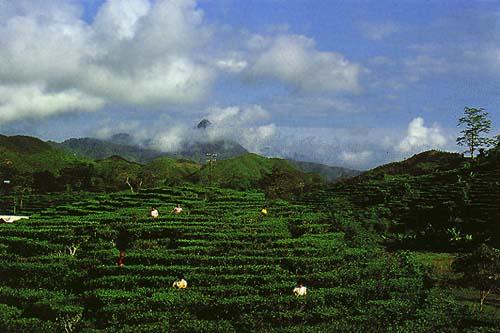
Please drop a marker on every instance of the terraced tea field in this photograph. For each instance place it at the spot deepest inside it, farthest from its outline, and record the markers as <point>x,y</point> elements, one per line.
<point>58,270</point>
<point>467,200</point>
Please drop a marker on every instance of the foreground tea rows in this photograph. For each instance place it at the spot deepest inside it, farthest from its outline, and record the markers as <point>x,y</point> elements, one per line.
<point>58,271</point>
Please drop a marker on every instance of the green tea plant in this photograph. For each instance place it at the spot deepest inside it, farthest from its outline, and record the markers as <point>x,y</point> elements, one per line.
<point>59,272</point>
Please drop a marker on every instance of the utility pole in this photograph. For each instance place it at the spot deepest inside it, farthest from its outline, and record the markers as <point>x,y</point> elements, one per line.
<point>211,158</point>
<point>6,187</point>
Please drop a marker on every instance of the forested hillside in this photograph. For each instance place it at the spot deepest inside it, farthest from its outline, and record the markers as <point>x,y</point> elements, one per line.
<point>433,200</point>
<point>44,169</point>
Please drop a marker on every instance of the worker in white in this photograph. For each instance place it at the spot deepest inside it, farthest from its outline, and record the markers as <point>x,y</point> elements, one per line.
<point>180,284</point>
<point>300,290</point>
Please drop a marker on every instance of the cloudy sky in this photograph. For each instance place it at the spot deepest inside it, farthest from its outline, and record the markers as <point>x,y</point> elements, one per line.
<point>350,83</point>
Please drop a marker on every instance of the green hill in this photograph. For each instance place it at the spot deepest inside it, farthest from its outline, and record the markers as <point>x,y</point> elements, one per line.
<point>424,163</point>
<point>166,170</point>
<point>33,164</point>
<point>23,144</point>
<point>432,200</point>
<point>116,171</point>
<point>276,177</point>
<point>97,165</point>
<point>330,173</point>
<point>24,154</point>
<point>248,168</point>
<point>100,149</point>
<point>197,151</point>
<point>122,145</point>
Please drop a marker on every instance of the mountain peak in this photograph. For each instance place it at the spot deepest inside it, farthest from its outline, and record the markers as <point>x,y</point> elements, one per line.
<point>122,139</point>
<point>204,124</point>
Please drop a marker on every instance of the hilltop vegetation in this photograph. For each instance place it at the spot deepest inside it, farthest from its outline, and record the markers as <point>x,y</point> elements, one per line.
<point>276,177</point>
<point>96,149</point>
<point>168,171</point>
<point>27,154</point>
<point>43,168</point>
<point>330,173</point>
<point>434,200</point>
<point>420,164</point>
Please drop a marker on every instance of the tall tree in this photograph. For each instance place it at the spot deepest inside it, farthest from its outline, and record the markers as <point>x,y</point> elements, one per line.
<point>481,270</point>
<point>476,123</point>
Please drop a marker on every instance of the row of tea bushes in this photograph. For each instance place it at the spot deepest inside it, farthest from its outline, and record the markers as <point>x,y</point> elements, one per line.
<point>58,272</point>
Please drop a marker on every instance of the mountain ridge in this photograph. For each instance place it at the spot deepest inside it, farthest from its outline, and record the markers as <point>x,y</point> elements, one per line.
<point>99,149</point>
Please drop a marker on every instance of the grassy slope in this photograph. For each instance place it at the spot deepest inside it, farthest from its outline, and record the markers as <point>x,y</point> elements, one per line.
<point>330,173</point>
<point>117,165</point>
<point>23,144</point>
<point>169,169</point>
<point>247,169</point>
<point>431,179</point>
<point>29,154</point>
<point>440,268</point>
<point>420,164</point>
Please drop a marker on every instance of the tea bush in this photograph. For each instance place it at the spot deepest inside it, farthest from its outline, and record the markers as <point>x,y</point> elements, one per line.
<point>240,267</point>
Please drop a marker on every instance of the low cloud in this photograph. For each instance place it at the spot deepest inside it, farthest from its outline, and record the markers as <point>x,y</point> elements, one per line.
<point>26,101</point>
<point>358,148</point>
<point>109,127</point>
<point>246,125</point>
<point>356,159</point>
<point>420,138</point>
<point>171,140</point>
<point>237,116</point>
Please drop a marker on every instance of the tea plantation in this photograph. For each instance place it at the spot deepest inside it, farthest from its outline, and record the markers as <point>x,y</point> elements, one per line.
<point>58,270</point>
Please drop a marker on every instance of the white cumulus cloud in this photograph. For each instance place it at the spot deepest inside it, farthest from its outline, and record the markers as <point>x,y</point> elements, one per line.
<point>236,115</point>
<point>147,54</point>
<point>295,60</point>
<point>119,19</point>
<point>135,52</point>
<point>420,137</point>
<point>26,101</point>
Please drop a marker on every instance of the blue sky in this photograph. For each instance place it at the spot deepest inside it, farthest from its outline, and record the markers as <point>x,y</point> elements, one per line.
<point>350,83</point>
